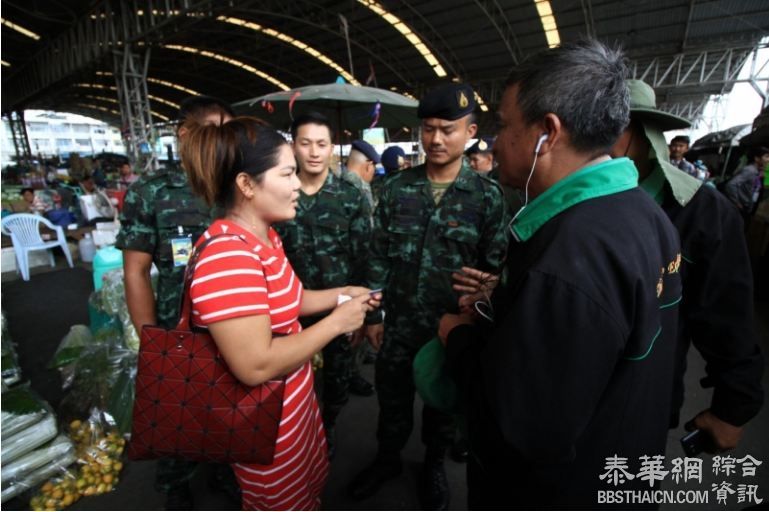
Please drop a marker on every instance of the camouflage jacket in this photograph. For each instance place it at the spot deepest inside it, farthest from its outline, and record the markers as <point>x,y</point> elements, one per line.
<point>416,244</point>
<point>154,208</point>
<point>327,241</point>
<point>363,186</point>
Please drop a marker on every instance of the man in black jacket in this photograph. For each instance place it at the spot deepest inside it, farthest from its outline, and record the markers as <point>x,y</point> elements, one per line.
<point>716,313</point>
<point>572,377</point>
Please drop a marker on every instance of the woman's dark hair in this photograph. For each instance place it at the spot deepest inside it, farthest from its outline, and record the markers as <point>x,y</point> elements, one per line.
<point>213,155</point>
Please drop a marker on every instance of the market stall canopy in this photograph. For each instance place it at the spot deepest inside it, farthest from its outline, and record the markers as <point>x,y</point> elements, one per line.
<point>348,107</point>
<point>760,134</point>
<point>724,138</point>
<point>720,151</point>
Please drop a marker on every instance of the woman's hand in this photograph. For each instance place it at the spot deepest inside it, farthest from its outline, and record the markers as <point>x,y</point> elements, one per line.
<point>358,291</point>
<point>354,291</point>
<point>349,316</point>
<point>449,322</point>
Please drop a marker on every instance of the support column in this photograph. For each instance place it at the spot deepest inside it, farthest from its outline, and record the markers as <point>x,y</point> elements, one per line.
<point>19,134</point>
<point>130,69</point>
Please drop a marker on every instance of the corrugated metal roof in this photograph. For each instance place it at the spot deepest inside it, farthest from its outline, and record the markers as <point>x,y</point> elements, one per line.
<point>478,41</point>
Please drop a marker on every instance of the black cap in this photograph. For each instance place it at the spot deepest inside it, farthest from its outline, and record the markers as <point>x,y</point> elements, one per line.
<point>449,102</point>
<point>367,149</point>
<point>482,145</point>
<point>392,158</point>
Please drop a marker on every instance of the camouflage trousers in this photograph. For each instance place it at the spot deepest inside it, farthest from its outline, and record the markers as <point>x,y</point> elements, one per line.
<point>338,361</point>
<point>395,392</point>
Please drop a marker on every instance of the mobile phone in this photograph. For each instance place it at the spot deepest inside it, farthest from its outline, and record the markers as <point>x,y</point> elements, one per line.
<point>374,292</point>
<point>694,443</point>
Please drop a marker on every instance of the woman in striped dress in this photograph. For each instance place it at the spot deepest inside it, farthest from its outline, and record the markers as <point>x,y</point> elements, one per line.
<point>246,293</point>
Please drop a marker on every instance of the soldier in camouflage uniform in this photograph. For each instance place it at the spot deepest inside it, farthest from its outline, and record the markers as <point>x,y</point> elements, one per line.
<point>160,214</point>
<point>361,168</point>
<point>431,220</point>
<point>327,244</point>
<point>480,157</point>
<point>158,209</point>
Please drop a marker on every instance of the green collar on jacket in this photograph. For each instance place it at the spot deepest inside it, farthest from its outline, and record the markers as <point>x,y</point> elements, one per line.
<point>605,178</point>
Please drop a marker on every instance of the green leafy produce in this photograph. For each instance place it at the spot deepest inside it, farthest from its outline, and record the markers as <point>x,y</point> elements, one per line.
<point>28,439</point>
<point>14,423</point>
<point>71,346</point>
<point>57,449</point>
<point>121,398</point>
<point>20,409</point>
<point>9,361</point>
<point>112,301</point>
<point>37,476</point>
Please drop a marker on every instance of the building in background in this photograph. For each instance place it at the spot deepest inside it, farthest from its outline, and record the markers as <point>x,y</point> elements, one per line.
<point>59,134</point>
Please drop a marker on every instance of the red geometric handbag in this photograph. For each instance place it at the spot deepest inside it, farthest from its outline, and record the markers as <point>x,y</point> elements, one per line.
<point>190,406</point>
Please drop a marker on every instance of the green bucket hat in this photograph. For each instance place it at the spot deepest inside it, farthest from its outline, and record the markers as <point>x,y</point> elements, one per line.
<point>643,106</point>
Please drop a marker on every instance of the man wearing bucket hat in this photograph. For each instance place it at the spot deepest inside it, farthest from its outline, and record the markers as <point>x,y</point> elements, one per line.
<point>431,220</point>
<point>716,312</point>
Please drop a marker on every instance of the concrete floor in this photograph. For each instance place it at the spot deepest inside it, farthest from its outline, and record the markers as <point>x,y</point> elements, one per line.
<point>356,448</point>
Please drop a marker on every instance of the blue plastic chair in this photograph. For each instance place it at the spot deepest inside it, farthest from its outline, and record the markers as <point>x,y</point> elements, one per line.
<point>24,230</point>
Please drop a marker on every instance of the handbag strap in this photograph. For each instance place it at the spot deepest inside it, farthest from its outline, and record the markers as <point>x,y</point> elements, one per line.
<point>186,310</point>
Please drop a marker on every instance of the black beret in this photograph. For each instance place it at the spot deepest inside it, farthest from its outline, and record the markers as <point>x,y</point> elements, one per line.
<point>449,102</point>
<point>392,158</point>
<point>367,149</point>
<point>482,145</point>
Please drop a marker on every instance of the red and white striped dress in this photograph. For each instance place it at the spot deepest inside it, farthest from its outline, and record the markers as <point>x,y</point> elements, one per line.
<point>235,279</point>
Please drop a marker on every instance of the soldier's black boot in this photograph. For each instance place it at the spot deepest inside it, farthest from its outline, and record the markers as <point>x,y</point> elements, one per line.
<point>433,484</point>
<point>367,483</point>
<point>360,386</point>
<point>459,450</point>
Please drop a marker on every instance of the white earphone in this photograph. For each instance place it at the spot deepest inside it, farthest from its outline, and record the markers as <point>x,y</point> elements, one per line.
<point>542,139</point>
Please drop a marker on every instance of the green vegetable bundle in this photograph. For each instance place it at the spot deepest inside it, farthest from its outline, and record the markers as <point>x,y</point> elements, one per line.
<point>71,346</point>
<point>9,361</point>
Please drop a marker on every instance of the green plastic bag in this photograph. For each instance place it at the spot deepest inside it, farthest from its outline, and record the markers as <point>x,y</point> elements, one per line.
<point>431,379</point>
